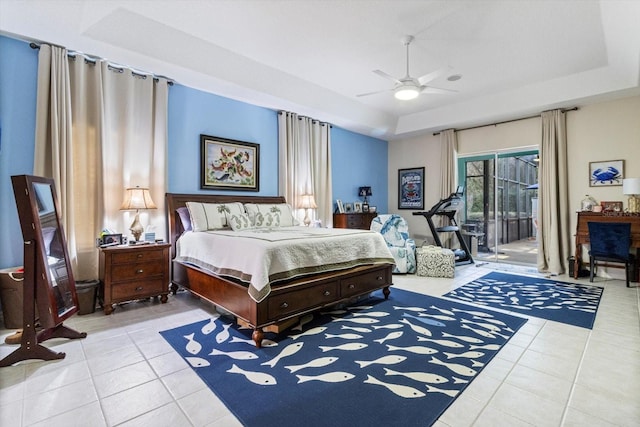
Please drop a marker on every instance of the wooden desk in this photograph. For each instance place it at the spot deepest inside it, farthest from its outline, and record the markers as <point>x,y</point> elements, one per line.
<point>582,232</point>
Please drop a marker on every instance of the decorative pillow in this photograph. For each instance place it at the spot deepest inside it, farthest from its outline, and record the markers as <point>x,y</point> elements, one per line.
<point>283,210</point>
<point>267,220</point>
<point>238,221</point>
<point>211,216</point>
<point>185,218</point>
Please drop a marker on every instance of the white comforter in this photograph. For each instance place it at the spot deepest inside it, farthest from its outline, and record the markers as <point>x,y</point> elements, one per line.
<point>261,257</point>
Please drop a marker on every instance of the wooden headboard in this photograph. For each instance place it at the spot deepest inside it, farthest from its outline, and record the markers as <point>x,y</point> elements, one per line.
<point>175,201</point>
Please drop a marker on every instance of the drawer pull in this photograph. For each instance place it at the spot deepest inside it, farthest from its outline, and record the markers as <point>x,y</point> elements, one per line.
<point>284,305</point>
<point>352,286</point>
<point>326,293</point>
<point>140,255</point>
<point>379,278</point>
<point>139,288</point>
<point>139,271</point>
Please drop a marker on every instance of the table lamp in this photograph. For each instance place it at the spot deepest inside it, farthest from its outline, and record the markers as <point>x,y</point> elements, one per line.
<point>631,188</point>
<point>365,192</point>
<point>137,198</point>
<point>306,202</point>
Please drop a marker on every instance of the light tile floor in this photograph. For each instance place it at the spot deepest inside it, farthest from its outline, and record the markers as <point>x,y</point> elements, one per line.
<point>125,374</point>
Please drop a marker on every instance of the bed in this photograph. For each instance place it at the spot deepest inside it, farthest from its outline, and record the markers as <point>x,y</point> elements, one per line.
<point>287,294</point>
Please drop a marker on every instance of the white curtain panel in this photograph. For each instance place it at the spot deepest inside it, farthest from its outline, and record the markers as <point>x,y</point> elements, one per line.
<point>304,148</point>
<point>99,131</point>
<point>54,151</point>
<point>448,155</point>
<point>448,177</point>
<point>553,209</point>
<point>135,146</point>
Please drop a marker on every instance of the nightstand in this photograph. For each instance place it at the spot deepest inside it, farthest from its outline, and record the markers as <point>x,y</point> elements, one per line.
<point>134,272</point>
<point>359,220</point>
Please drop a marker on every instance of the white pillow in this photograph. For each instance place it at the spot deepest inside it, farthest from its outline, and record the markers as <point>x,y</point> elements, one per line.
<point>211,216</point>
<point>239,221</point>
<point>283,210</point>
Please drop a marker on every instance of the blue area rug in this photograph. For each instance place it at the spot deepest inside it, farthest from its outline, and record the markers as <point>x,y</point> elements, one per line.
<point>402,361</point>
<point>547,299</point>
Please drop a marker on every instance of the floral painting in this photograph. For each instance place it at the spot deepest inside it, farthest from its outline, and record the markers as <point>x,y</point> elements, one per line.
<point>411,188</point>
<point>229,164</point>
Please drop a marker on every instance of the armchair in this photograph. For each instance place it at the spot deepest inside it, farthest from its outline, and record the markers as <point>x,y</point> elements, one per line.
<point>395,231</point>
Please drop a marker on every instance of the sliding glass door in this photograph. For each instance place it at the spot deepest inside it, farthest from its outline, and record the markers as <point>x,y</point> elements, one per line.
<point>500,206</point>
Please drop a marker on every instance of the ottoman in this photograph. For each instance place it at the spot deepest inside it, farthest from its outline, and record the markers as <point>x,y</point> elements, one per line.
<point>434,261</point>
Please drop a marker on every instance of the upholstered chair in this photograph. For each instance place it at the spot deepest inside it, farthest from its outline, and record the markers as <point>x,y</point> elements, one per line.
<point>610,242</point>
<point>395,231</point>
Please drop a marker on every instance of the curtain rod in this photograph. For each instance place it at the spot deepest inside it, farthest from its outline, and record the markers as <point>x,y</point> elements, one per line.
<point>91,59</point>
<point>307,117</point>
<point>508,121</point>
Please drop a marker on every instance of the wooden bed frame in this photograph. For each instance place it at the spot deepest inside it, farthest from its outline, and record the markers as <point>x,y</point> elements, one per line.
<point>287,300</point>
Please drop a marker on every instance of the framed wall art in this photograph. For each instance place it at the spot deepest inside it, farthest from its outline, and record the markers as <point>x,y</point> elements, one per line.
<point>411,188</point>
<point>609,172</point>
<point>227,164</point>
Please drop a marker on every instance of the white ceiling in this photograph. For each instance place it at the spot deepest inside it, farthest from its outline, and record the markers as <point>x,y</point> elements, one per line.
<point>516,57</point>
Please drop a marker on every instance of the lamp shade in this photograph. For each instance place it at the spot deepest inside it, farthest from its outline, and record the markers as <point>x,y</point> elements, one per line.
<point>631,186</point>
<point>306,201</point>
<point>137,198</point>
<point>364,191</point>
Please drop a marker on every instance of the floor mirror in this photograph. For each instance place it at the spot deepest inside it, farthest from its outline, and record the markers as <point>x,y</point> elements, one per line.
<point>48,286</point>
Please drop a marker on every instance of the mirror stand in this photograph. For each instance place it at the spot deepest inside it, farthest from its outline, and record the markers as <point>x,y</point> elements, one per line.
<point>29,346</point>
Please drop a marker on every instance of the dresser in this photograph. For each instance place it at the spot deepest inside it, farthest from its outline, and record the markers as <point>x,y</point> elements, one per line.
<point>133,272</point>
<point>360,220</point>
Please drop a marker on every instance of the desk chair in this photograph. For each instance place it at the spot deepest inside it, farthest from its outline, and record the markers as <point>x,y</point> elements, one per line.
<point>610,242</point>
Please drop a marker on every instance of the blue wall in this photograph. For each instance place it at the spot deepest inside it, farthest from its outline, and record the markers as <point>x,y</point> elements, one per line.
<point>357,160</point>
<point>18,84</point>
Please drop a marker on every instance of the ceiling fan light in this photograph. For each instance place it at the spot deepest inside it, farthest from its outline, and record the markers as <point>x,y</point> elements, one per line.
<point>405,93</point>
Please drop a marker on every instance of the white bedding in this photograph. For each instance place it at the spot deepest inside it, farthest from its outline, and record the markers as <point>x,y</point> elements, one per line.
<point>261,257</point>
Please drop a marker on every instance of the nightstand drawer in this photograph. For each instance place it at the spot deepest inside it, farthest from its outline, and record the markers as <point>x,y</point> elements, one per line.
<point>137,256</point>
<point>355,221</point>
<point>137,289</point>
<point>141,270</point>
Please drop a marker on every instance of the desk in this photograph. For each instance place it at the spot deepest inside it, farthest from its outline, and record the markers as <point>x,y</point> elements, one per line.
<point>582,232</point>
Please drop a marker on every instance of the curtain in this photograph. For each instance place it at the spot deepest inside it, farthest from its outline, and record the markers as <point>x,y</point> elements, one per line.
<point>448,177</point>
<point>304,147</point>
<point>134,152</point>
<point>99,129</point>
<point>54,151</point>
<point>553,209</point>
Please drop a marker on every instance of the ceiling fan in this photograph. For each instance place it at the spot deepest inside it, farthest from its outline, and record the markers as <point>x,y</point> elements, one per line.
<point>408,87</point>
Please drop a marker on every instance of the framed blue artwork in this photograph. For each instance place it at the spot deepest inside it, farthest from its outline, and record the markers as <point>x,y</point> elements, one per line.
<point>411,188</point>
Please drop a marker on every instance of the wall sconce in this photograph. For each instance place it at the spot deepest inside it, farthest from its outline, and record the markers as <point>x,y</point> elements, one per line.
<point>631,188</point>
<point>137,198</point>
<point>306,202</point>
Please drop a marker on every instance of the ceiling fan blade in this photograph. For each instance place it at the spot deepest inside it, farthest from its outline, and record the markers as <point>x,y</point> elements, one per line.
<point>432,75</point>
<point>430,89</point>
<point>386,76</point>
<point>373,93</point>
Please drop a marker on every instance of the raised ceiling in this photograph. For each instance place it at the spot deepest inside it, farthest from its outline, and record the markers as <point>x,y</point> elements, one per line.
<point>516,57</point>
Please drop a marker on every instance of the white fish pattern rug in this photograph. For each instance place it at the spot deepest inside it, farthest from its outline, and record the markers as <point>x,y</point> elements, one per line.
<point>406,358</point>
<point>569,303</point>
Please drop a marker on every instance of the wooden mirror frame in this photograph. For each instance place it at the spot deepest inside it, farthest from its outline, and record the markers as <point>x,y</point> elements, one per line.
<point>48,279</point>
